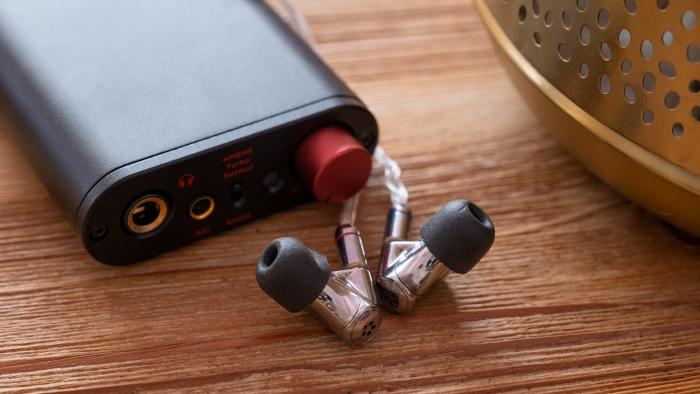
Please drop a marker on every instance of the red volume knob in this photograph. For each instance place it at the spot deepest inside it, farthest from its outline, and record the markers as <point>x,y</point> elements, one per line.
<point>333,164</point>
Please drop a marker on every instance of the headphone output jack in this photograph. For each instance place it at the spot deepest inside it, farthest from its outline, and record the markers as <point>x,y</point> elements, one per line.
<point>147,214</point>
<point>202,207</point>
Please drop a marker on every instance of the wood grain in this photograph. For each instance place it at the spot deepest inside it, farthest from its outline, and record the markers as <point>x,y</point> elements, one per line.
<point>582,291</point>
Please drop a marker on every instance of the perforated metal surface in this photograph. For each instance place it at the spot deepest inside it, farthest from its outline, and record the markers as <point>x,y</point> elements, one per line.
<point>632,65</point>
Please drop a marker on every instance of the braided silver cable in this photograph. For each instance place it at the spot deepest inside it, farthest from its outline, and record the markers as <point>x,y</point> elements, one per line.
<point>392,178</point>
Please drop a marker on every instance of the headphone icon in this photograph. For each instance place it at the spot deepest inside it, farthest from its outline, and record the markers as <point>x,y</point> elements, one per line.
<point>186,180</point>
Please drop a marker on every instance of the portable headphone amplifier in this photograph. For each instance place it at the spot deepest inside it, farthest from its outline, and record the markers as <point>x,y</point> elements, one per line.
<point>156,123</point>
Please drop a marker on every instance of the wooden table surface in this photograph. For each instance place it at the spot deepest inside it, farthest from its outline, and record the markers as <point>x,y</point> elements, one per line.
<point>582,290</point>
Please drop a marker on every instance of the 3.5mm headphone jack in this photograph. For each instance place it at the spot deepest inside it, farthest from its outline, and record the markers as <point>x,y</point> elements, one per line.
<point>202,207</point>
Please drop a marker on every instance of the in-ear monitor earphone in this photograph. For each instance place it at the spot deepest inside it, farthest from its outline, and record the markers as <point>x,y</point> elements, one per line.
<point>299,278</point>
<point>454,239</point>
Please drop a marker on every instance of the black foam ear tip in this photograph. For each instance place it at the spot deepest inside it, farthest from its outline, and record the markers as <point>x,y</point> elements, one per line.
<point>291,273</point>
<point>459,235</point>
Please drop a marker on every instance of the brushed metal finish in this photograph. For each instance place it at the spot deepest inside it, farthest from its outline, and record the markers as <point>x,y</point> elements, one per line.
<point>617,82</point>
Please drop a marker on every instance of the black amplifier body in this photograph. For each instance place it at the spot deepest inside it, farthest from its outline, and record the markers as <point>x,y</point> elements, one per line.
<point>158,122</point>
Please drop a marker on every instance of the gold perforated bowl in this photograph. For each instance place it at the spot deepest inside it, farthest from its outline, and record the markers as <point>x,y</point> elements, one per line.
<point>618,83</point>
